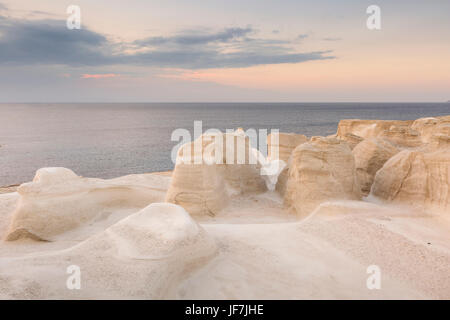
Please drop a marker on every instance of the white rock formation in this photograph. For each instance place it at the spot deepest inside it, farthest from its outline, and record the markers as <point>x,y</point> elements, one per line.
<point>199,188</point>
<point>159,231</point>
<point>143,256</point>
<point>368,128</point>
<point>162,240</point>
<point>370,155</point>
<point>352,139</point>
<point>396,131</point>
<point>432,129</point>
<point>128,250</point>
<point>320,170</point>
<point>45,177</point>
<point>8,202</point>
<point>58,201</point>
<point>426,127</point>
<point>280,147</point>
<point>405,134</point>
<point>417,178</point>
<point>219,167</point>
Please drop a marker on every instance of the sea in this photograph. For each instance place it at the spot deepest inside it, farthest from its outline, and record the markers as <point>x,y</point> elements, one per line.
<point>107,140</point>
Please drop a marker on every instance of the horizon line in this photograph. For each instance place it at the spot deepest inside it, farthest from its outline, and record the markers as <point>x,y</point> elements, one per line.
<point>203,102</point>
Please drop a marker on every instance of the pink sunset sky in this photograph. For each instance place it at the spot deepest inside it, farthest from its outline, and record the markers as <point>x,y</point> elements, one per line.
<point>224,51</point>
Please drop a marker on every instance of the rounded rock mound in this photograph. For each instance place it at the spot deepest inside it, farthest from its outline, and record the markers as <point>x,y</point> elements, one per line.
<point>58,201</point>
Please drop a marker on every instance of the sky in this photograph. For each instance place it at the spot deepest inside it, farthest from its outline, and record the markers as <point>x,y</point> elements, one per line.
<point>224,51</point>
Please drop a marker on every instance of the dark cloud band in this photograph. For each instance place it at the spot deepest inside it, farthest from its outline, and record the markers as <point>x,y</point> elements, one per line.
<point>48,41</point>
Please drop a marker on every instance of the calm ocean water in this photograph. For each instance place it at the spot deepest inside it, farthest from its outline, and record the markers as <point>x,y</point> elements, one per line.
<point>110,140</point>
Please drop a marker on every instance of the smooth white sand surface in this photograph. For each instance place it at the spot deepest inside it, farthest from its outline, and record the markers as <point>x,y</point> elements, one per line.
<point>253,249</point>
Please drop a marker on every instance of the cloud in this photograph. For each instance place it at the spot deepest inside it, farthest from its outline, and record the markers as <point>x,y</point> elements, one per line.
<point>49,42</point>
<point>197,38</point>
<point>43,14</point>
<point>99,76</point>
<point>207,60</point>
<point>302,36</point>
<point>332,39</point>
<point>3,7</point>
